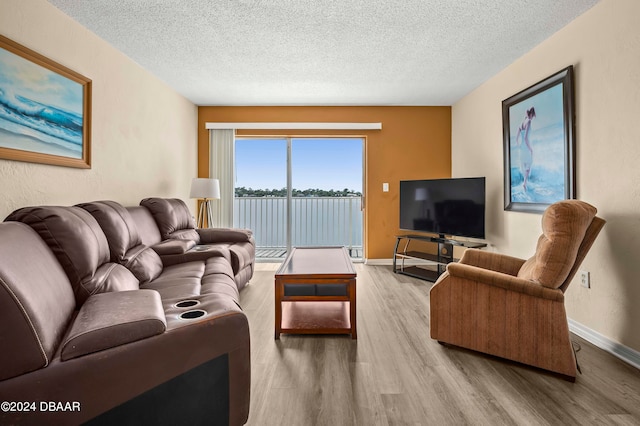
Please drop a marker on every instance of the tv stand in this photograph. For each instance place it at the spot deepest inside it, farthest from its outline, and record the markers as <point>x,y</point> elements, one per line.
<point>423,265</point>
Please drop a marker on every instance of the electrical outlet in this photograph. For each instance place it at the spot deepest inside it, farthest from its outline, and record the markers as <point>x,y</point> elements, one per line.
<point>585,280</point>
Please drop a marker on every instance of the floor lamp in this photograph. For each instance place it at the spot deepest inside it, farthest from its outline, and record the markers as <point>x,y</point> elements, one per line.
<point>205,189</point>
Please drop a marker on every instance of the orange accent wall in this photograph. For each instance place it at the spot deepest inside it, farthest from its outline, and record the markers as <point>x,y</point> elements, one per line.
<point>414,143</point>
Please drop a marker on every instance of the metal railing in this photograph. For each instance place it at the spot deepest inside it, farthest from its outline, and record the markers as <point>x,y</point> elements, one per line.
<point>315,221</point>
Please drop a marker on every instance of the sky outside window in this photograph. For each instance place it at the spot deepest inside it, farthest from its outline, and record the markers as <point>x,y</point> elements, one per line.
<point>322,163</point>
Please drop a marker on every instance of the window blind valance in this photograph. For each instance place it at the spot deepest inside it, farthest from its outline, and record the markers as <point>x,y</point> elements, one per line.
<point>293,126</point>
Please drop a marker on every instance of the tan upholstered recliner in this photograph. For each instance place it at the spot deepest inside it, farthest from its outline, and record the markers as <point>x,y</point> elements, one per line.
<point>512,308</point>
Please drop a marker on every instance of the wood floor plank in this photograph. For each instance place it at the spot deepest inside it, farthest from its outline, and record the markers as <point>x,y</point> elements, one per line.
<point>368,406</point>
<point>395,374</point>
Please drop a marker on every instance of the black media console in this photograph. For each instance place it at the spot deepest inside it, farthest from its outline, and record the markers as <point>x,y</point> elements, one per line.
<point>423,265</point>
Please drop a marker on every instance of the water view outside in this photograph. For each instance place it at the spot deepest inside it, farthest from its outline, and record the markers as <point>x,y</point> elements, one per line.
<point>326,175</point>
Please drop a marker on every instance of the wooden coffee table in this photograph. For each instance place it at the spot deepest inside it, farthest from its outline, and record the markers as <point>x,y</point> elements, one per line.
<point>315,292</point>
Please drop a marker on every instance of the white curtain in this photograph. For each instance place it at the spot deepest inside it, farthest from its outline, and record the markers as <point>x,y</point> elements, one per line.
<point>221,149</point>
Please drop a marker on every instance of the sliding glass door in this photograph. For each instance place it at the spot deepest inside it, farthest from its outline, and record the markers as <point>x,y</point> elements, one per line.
<point>300,192</point>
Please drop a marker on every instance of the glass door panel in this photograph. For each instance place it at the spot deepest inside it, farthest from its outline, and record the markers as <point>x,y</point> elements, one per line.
<point>326,178</point>
<point>260,202</point>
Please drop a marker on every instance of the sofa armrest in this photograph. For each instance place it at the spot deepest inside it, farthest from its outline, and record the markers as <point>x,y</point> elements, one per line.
<point>224,235</point>
<point>173,247</point>
<point>107,320</point>
<point>131,375</point>
<point>502,280</point>
<point>492,261</point>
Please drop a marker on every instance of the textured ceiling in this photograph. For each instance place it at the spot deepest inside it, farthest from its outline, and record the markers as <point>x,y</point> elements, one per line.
<point>324,52</point>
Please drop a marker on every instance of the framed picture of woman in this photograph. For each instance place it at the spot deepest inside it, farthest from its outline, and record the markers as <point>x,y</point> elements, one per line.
<point>539,144</point>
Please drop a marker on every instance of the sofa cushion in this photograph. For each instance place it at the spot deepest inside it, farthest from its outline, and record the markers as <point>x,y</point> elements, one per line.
<point>190,279</point>
<point>180,280</point>
<point>563,225</point>
<point>173,218</point>
<point>125,245</point>
<point>116,223</point>
<point>36,301</point>
<point>143,262</point>
<point>112,319</point>
<point>80,246</point>
<point>146,224</point>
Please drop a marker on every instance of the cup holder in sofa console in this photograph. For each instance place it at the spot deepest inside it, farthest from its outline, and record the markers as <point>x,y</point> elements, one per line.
<point>192,314</point>
<point>186,303</point>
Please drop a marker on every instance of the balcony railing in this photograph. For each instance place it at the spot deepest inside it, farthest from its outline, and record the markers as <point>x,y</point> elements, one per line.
<point>315,221</point>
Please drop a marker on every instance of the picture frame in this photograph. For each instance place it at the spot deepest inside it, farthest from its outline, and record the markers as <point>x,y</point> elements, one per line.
<point>45,109</point>
<point>539,144</point>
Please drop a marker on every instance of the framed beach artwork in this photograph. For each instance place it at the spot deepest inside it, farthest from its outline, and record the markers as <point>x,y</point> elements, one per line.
<point>539,144</point>
<point>45,109</point>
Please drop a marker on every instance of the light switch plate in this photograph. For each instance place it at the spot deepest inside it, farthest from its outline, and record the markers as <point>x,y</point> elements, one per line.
<point>385,187</point>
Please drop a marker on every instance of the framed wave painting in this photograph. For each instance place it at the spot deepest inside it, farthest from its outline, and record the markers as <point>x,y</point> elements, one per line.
<point>45,109</point>
<point>539,144</point>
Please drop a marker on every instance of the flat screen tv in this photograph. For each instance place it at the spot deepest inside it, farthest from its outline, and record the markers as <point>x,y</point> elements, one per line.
<point>447,207</point>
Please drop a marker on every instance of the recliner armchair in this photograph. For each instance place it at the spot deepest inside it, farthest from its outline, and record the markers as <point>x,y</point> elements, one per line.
<point>514,308</point>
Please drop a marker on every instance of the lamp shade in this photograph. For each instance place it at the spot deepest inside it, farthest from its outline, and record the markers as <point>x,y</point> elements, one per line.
<point>422,194</point>
<point>205,188</point>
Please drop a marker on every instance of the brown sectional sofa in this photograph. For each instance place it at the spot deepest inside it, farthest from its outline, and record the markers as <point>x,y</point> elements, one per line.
<point>122,316</point>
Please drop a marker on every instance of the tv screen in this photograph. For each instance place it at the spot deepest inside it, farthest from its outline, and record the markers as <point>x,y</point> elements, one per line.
<point>453,207</point>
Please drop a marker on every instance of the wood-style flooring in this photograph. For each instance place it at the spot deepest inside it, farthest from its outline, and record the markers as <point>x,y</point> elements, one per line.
<point>394,374</point>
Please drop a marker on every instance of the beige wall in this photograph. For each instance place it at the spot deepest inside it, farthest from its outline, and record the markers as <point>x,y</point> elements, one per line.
<point>604,46</point>
<point>144,137</point>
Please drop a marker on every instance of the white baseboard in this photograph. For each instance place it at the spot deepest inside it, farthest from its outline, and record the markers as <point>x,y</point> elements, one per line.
<point>378,262</point>
<point>623,352</point>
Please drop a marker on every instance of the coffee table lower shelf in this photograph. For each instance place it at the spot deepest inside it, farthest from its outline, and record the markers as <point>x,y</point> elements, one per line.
<point>326,317</point>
